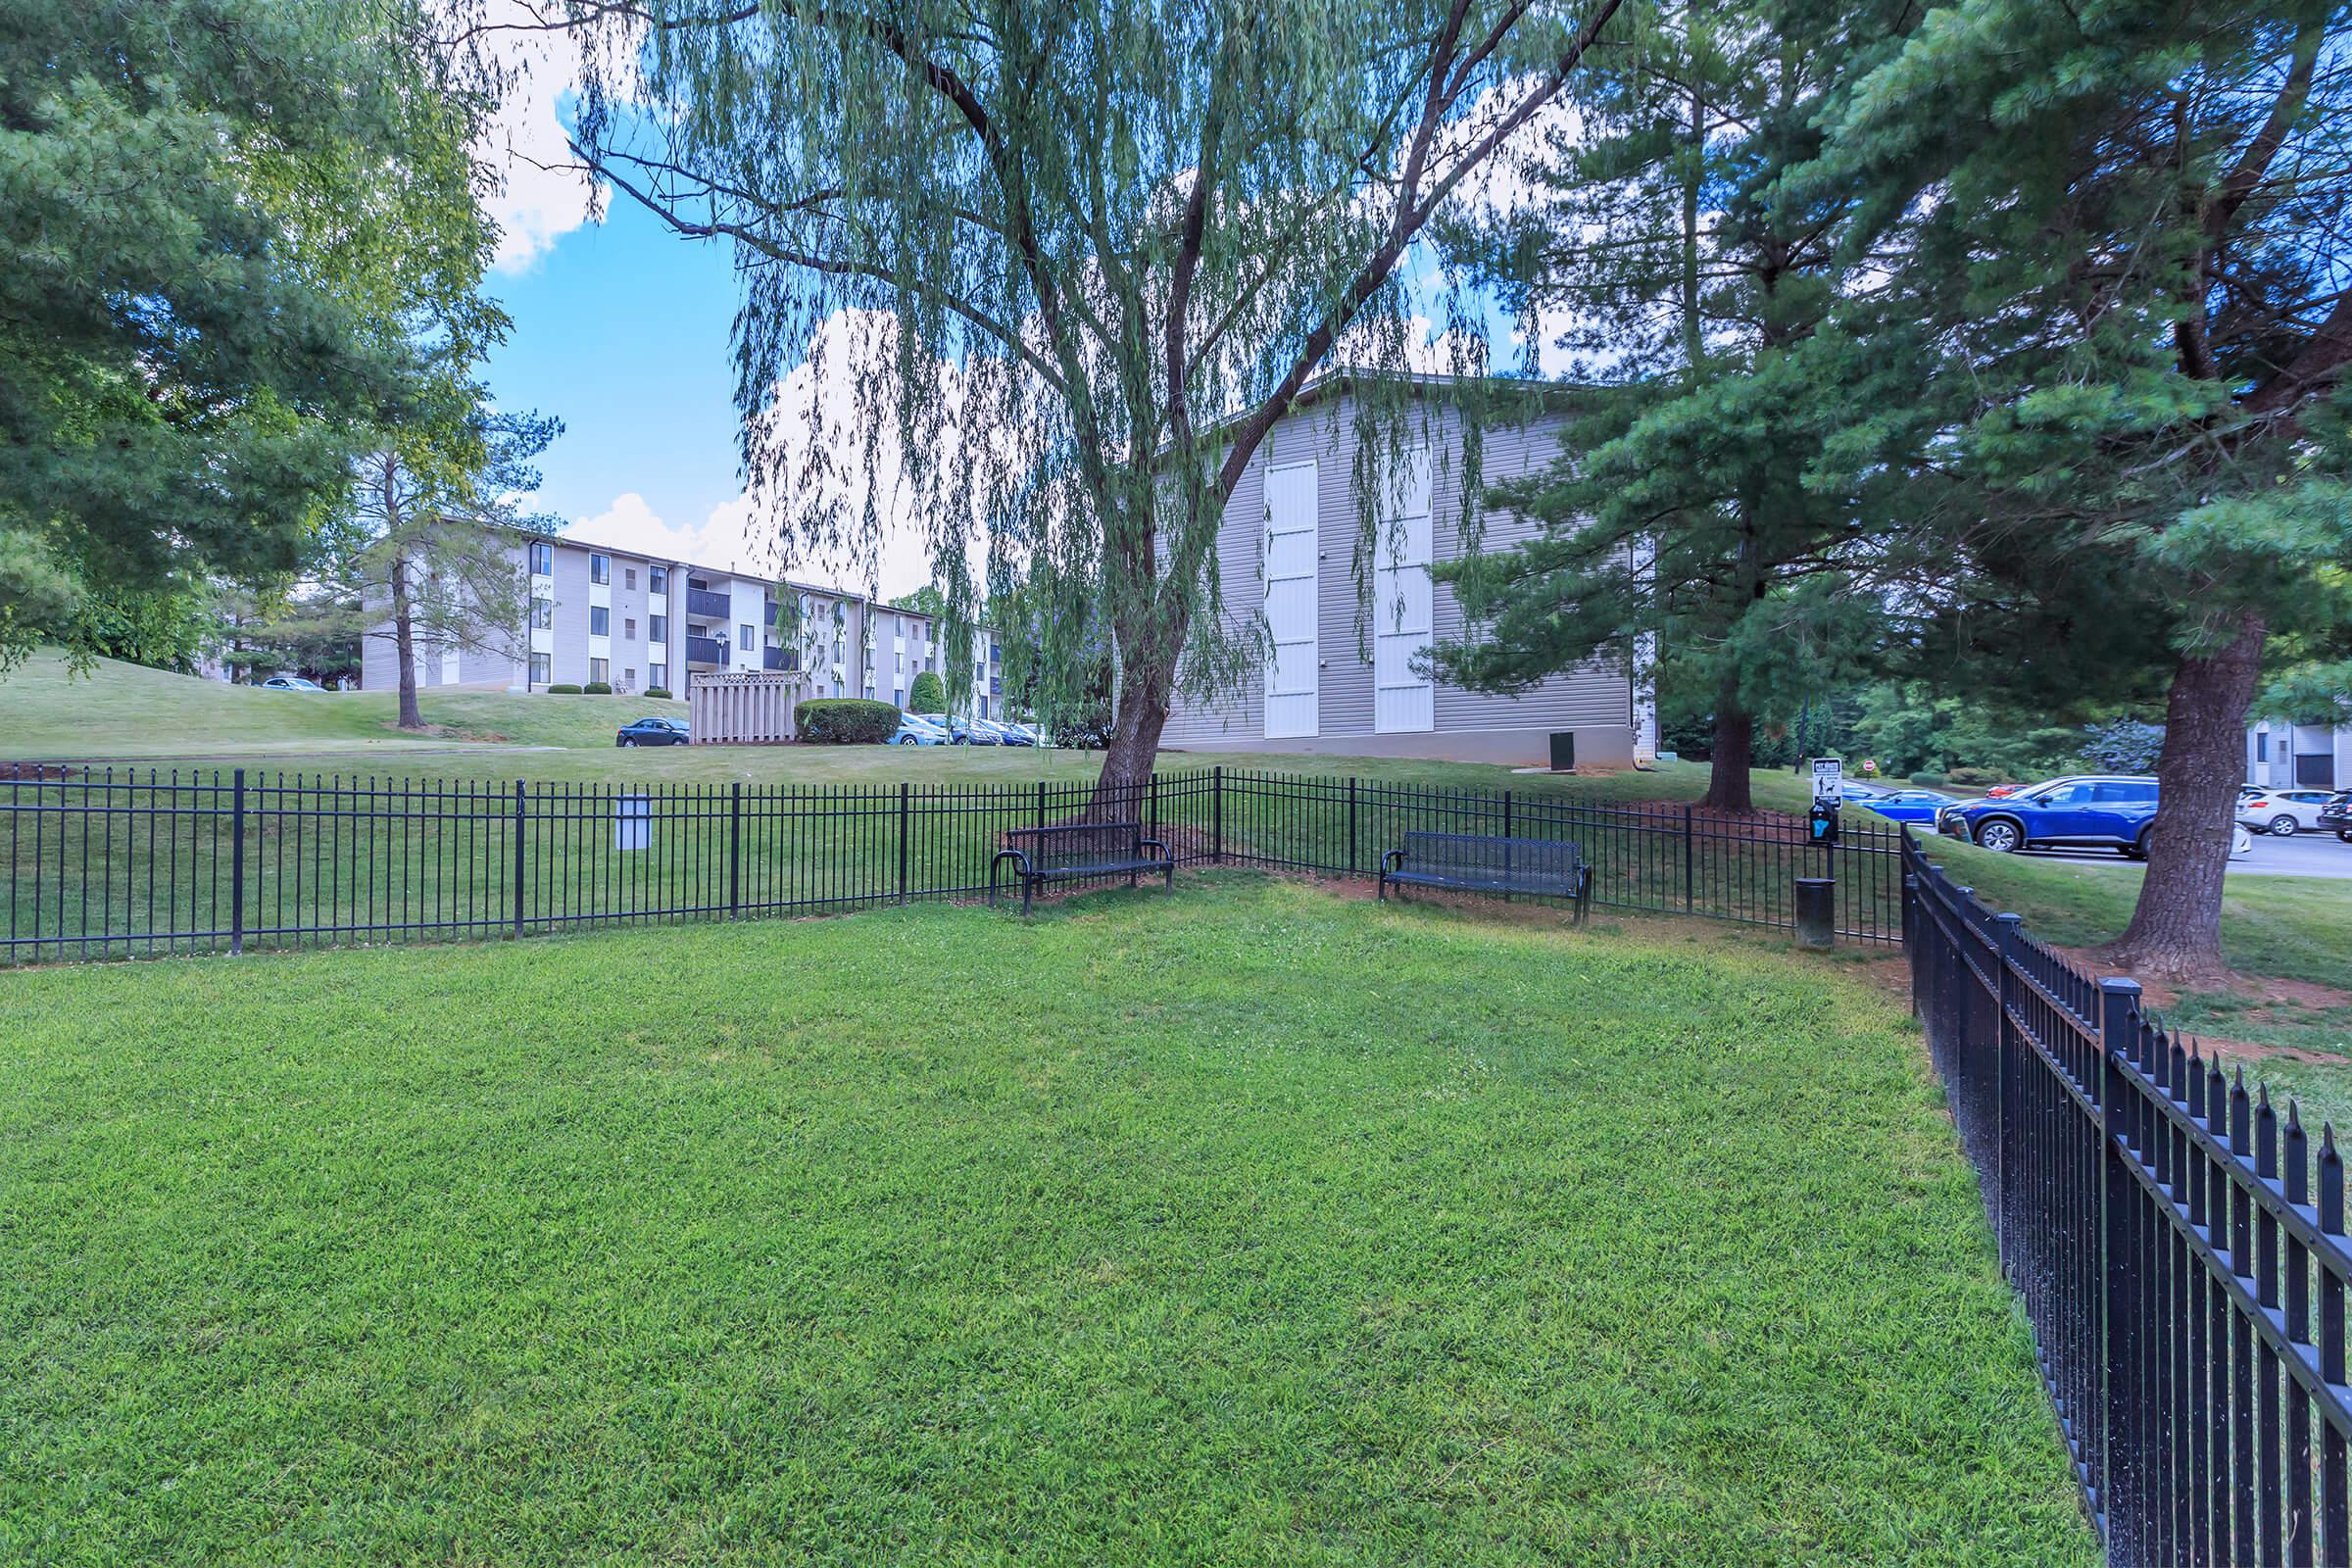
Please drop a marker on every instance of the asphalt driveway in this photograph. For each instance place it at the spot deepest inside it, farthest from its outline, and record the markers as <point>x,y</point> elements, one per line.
<point>2304,855</point>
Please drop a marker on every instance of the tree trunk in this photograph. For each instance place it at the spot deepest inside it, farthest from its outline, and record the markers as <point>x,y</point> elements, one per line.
<point>404,643</point>
<point>2176,929</point>
<point>1734,752</point>
<point>1141,713</point>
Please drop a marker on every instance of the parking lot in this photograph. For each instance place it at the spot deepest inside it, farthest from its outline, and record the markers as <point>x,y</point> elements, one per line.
<point>2304,855</point>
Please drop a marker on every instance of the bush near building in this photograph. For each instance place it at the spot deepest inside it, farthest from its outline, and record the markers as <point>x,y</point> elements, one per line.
<point>847,721</point>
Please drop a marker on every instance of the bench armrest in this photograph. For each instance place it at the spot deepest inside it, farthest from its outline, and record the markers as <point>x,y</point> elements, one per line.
<point>1390,860</point>
<point>1019,857</point>
<point>1154,844</point>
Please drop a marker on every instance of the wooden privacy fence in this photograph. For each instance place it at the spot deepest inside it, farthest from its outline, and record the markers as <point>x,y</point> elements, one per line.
<point>2178,1243</point>
<point>750,708</point>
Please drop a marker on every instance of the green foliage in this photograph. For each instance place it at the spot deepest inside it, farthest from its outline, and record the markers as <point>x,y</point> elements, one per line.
<point>217,219</point>
<point>845,721</point>
<point>563,688</point>
<point>1689,505</point>
<point>927,695</point>
<point>1367,1097</point>
<point>1929,781</point>
<point>598,688</point>
<point>2124,745</point>
<point>660,692</point>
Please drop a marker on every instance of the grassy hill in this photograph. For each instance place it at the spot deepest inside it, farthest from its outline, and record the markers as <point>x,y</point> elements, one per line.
<point>112,710</point>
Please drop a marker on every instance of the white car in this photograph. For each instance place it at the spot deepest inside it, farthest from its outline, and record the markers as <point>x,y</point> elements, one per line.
<point>290,684</point>
<point>2281,813</point>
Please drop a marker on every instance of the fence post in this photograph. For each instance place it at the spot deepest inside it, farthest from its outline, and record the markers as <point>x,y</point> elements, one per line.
<point>1689,895</point>
<point>2118,1274</point>
<point>2009,939</point>
<point>1506,841</point>
<point>1040,803</point>
<point>903,841</point>
<point>519,858</point>
<point>1351,852</point>
<point>1216,813</point>
<point>734,848</point>
<point>236,867</point>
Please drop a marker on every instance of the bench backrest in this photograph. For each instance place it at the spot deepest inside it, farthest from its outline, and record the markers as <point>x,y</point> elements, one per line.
<point>1483,855</point>
<point>1074,845</point>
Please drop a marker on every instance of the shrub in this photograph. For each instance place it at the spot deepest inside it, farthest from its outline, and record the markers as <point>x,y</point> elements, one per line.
<point>1974,775</point>
<point>846,721</point>
<point>658,691</point>
<point>1928,781</point>
<point>929,695</point>
<point>598,688</point>
<point>563,689</point>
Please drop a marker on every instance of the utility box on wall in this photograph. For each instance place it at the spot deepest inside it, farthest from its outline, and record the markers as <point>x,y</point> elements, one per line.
<point>1563,751</point>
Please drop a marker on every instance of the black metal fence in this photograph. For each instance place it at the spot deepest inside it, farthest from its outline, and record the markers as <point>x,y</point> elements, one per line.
<point>123,863</point>
<point>2165,1232</point>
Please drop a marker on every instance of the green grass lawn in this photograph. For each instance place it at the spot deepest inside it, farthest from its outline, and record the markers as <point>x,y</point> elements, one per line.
<point>1250,1226</point>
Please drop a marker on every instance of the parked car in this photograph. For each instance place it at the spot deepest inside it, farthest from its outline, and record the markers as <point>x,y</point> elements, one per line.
<point>2001,791</point>
<point>2337,816</point>
<point>2082,811</point>
<point>1906,805</point>
<point>914,730</point>
<point>961,731</point>
<point>652,733</point>
<point>2281,813</point>
<point>290,684</point>
<point>1005,734</point>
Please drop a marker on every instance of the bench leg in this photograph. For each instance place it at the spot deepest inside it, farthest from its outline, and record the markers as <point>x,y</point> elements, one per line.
<point>1028,895</point>
<point>1170,873</point>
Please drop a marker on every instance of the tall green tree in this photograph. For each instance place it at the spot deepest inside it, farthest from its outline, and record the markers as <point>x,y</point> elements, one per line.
<point>202,206</point>
<point>422,550</point>
<point>1111,241</point>
<point>1687,512</point>
<point>2121,227</point>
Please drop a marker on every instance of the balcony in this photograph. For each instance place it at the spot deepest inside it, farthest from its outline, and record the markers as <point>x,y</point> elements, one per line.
<point>703,602</point>
<point>773,658</point>
<point>705,650</point>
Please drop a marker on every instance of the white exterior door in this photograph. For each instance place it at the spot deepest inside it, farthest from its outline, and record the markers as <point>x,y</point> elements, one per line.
<point>1292,685</point>
<point>1401,701</point>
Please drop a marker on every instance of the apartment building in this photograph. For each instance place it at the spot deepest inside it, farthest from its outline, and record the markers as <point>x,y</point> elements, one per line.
<point>1341,679</point>
<point>639,622</point>
<point>2280,756</point>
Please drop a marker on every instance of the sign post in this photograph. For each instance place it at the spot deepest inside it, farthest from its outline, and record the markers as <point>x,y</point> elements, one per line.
<point>1821,823</point>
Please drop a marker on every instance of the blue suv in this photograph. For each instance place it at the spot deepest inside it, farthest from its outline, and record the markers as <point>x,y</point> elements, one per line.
<point>2094,811</point>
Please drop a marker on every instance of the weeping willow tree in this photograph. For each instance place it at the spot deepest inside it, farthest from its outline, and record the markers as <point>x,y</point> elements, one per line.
<point>1089,253</point>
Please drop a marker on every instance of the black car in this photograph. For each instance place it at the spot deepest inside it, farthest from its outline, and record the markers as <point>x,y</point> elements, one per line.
<point>2337,816</point>
<point>652,733</point>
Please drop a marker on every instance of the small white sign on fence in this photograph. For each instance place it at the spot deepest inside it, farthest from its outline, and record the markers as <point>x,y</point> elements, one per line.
<point>1829,779</point>
<point>633,823</point>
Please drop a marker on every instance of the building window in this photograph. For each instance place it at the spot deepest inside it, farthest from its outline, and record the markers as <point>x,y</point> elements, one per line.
<point>628,628</point>
<point>993,653</point>
<point>2262,745</point>
<point>629,678</point>
<point>599,568</point>
<point>743,638</point>
<point>538,669</point>
<point>658,582</point>
<point>542,614</point>
<point>601,669</point>
<point>629,579</point>
<point>837,650</point>
<point>543,560</point>
<point>657,628</point>
<point>599,621</point>
<point>898,697</point>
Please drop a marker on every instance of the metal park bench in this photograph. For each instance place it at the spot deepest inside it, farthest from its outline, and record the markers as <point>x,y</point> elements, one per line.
<point>1481,863</point>
<point>1077,850</point>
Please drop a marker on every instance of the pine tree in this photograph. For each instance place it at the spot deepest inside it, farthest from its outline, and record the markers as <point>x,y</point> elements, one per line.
<point>1686,513</point>
<point>2120,226</point>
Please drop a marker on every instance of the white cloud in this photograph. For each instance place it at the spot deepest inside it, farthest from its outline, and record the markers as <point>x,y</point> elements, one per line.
<point>539,198</point>
<point>813,404</point>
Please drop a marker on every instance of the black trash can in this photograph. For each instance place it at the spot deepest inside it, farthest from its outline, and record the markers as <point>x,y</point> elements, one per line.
<point>1815,911</point>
